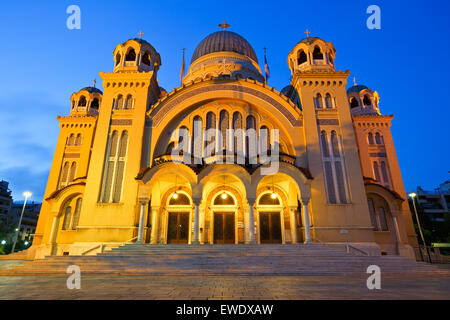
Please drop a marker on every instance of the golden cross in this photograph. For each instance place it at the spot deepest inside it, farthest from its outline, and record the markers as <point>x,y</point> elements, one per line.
<point>95,81</point>
<point>307,33</point>
<point>354,81</point>
<point>224,25</point>
<point>140,34</point>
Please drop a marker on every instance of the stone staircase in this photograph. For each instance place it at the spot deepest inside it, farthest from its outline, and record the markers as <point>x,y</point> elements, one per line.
<point>248,260</point>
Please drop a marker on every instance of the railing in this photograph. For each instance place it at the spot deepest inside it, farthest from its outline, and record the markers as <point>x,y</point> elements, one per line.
<point>433,254</point>
<point>348,246</point>
<point>102,246</point>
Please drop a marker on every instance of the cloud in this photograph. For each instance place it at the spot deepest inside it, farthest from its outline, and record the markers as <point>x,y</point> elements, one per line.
<point>29,132</point>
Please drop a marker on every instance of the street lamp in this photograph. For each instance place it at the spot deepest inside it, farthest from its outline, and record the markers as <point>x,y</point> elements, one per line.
<point>26,194</point>
<point>3,242</point>
<point>413,195</point>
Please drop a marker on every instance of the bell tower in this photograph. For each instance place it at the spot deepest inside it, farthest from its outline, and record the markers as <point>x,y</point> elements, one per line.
<point>331,148</point>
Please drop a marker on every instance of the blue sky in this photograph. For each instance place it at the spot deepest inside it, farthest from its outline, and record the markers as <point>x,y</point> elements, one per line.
<point>42,63</point>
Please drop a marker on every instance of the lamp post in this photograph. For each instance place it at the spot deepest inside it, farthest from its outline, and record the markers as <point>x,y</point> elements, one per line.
<point>413,196</point>
<point>26,194</point>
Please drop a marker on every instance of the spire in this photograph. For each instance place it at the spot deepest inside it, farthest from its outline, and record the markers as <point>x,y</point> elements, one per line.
<point>307,33</point>
<point>182,68</point>
<point>95,82</point>
<point>224,25</point>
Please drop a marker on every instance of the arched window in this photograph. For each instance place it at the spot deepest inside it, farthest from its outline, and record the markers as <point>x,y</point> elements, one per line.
<point>67,218</point>
<point>179,199</point>
<point>183,138</point>
<point>382,218</point>
<point>119,102</point>
<point>267,200</point>
<point>120,167</point>
<point>170,148</point>
<point>131,55</point>
<point>146,59</point>
<point>95,104</point>
<point>378,138</point>
<point>317,54</point>
<point>76,214</point>
<point>384,172</point>
<point>376,171</point>
<point>73,104</point>
<point>328,101</point>
<point>224,200</point>
<point>82,102</point>
<point>109,166</point>
<point>330,58</point>
<point>210,142</point>
<point>197,137</point>
<point>64,174</point>
<point>71,140</point>
<point>370,138</point>
<point>373,217</point>
<point>238,134</point>
<point>73,169</point>
<point>338,166</point>
<point>78,140</point>
<point>318,101</point>
<point>118,57</point>
<point>129,102</point>
<point>302,58</point>
<point>367,101</point>
<point>264,135</point>
<point>328,170</point>
<point>224,125</point>
<point>250,138</point>
<point>354,103</point>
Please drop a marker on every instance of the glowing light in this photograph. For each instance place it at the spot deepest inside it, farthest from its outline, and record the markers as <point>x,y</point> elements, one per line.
<point>26,243</point>
<point>3,242</point>
<point>27,194</point>
<point>175,195</point>
<point>274,195</point>
<point>224,196</point>
<point>412,195</point>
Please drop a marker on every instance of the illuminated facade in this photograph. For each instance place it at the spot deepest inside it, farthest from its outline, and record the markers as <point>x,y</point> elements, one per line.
<point>114,180</point>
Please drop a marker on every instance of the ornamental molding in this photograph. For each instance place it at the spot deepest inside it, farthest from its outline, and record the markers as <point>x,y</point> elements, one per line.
<point>170,105</point>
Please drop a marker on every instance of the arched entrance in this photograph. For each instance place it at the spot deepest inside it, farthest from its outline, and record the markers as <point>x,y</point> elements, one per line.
<point>178,217</point>
<point>270,218</point>
<point>224,216</point>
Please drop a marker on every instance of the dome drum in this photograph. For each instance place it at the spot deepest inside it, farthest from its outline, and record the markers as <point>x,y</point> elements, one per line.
<point>86,100</point>
<point>136,55</point>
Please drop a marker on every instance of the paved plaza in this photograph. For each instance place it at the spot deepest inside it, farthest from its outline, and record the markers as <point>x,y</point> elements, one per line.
<point>224,287</point>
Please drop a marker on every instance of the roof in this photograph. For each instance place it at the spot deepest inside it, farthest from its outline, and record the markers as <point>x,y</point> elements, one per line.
<point>92,90</point>
<point>358,88</point>
<point>310,40</point>
<point>224,41</point>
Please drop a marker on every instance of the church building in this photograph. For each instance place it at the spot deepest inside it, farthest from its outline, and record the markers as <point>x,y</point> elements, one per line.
<point>224,158</point>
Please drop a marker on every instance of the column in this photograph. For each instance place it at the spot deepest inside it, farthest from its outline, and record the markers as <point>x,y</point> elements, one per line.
<point>398,238</point>
<point>155,225</point>
<point>53,233</point>
<point>196,221</point>
<point>251,222</point>
<point>294,235</point>
<point>305,202</point>
<point>140,237</point>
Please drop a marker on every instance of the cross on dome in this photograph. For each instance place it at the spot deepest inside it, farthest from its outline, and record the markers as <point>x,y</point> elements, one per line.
<point>224,25</point>
<point>140,34</point>
<point>307,33</point>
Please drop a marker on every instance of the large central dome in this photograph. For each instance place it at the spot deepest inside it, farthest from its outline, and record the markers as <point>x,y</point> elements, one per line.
<point>224,41</point>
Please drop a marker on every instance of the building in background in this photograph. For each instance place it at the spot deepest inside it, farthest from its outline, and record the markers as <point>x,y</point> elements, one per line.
<point>5,200</point>
<point>435,204</point>
<point>29,219</point>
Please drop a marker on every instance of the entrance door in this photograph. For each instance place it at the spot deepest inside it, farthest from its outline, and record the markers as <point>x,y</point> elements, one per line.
<point>270,227</point>
<point>224,228</point>
<point>178,228</point>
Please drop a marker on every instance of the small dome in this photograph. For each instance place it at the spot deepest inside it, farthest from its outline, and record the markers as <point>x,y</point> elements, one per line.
<point>358,88</point>
<point>310,40</point>
<point>92,90</point>
<point>224,41</point>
